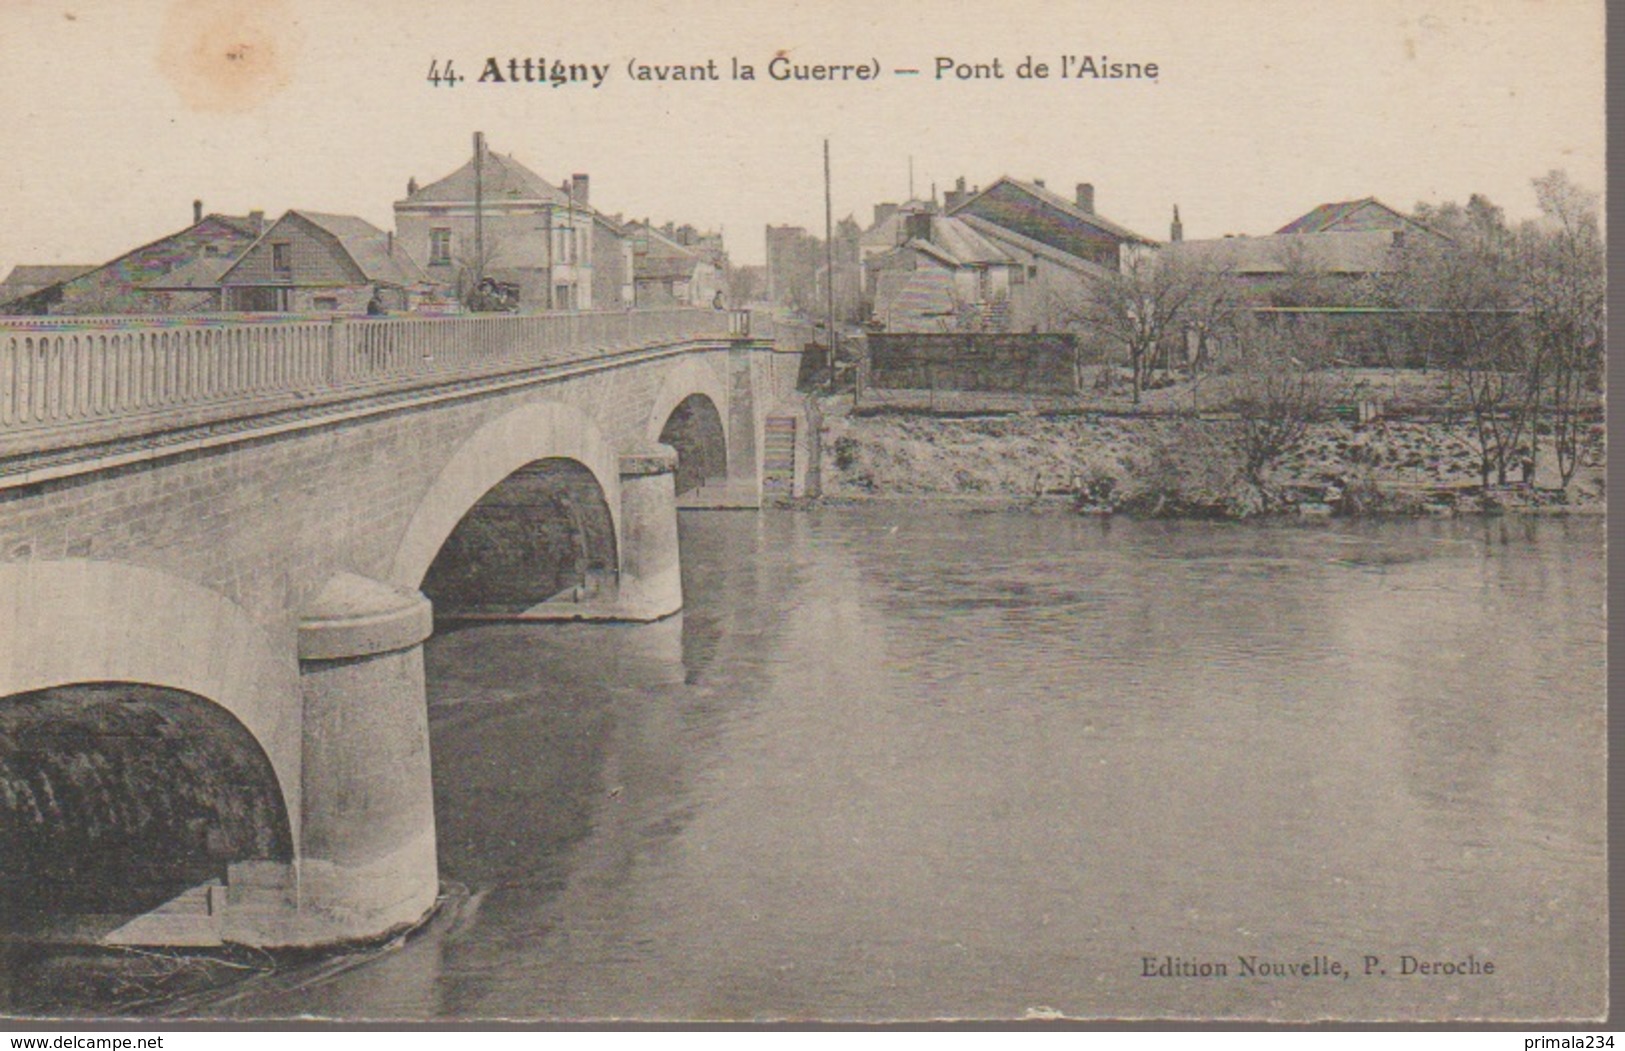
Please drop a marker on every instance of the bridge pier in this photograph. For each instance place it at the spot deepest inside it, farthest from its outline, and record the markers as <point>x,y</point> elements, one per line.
<point>744,469</point>
<point>366,860</point>
<point>651,582</point>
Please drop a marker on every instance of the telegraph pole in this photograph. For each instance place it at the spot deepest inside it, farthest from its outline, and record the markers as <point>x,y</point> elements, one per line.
<point>479,211</point>
<point>829,266</point>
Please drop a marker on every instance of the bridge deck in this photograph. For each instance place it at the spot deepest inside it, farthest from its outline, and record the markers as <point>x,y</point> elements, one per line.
<point>69,383</point>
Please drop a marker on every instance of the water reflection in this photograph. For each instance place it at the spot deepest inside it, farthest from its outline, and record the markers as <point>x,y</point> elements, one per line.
<point>902,763</point>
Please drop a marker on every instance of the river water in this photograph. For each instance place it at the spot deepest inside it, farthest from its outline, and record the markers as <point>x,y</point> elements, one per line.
<point>921,762</point>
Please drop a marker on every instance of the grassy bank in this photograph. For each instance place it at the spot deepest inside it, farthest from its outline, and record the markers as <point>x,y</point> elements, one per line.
<point>1173,465</point>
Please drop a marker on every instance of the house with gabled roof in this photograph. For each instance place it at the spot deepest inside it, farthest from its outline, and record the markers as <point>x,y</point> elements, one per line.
<point>941,276</point>
<point>1071,226</point>
<point>538,237</point>
<point>315,262</point>
<point>1362,216</point>
<point>141,280</point>
<point>27,278</point>
<point>667,272</point>
<point>1328,257</point>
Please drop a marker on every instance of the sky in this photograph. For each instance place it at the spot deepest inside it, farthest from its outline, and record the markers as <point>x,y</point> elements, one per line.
<point>116,115</point>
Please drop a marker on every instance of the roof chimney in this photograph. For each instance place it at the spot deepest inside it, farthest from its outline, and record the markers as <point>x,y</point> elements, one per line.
<point>1176,229</point>
<point>257,221</point>
<point>1086,197</point>
<point>197,211</point>
<point>579,187</point>
<point>411,186</point>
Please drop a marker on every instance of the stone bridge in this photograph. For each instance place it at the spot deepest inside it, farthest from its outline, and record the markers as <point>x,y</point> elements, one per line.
<point>216,541</point>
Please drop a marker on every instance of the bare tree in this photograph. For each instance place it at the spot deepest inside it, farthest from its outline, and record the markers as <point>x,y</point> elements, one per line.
<point>1279,386</point>
<point>1563,271</point>
<point>1461,301</point>
<point>1138,308</point>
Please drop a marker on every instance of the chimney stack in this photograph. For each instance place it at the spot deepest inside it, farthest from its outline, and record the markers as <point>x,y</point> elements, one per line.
<point>1176,229</point>
<point>579,187</point>
<point>197,211</point>
<point>1086,197</point>
<point>411,186</point>
<point>479,144</point>
<point>956,196</point>
<point>257,221</point>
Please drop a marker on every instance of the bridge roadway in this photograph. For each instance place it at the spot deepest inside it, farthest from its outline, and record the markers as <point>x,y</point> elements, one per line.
<point>219,539</point>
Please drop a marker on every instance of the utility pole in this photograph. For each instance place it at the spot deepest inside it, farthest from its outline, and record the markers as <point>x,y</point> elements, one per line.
<point>829,265</point>
<point>479,210</point>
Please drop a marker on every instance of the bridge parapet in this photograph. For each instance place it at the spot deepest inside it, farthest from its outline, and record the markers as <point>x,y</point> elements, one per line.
<point>81,381</point>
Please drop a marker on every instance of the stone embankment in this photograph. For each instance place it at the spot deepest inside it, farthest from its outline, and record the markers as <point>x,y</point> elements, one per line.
<point>1179,465</point>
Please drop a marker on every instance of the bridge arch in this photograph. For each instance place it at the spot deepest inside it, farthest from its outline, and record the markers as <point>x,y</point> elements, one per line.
<point>72,621</point>
<point>113,675</point>
<point>118,797</point>
<point>690,414</point>
<point>498,450</point>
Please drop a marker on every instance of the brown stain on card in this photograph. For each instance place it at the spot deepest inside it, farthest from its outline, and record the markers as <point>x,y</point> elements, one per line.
<point>228,56</point>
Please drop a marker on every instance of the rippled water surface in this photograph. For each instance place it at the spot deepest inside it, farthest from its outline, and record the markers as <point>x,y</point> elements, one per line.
<point>904,762</point>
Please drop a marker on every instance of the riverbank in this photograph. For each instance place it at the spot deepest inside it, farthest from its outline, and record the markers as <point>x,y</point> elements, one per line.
<point>1162,465</point>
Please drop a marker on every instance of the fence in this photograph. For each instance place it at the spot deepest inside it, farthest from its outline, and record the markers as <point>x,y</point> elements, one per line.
<point>85,371</point>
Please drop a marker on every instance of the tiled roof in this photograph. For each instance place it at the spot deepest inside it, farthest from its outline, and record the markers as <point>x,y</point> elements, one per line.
<point>200,274</point>
<point>1353,252</point>
<point>1320,218</point>
<point>368,246</point>
<point>658,257</point>
<point>501,179</point>
<point>954,241</point>
<point>26,277</point>
<point>964,243</point>
<point>1005,237</point>
<point>1062,205</point>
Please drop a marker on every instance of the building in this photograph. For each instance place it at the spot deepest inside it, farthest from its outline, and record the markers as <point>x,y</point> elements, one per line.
<point>793,260</point>
<point>495,217</point>
<point>1069,226</point>
<point>26,279</point>
<point>941,276</point>
<point>312,262</point>
<point>1328,257</point>
<point>1056,247</point>
<point>145,280</point>
<point>667,272</point>
<point>1364,215</point>
<point>613,286</point>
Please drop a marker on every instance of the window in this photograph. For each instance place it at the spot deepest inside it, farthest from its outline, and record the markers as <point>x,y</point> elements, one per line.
<point>440,246</point>
<point>282,257</point>
<point>1018,275</point>
<point>327,303</point>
